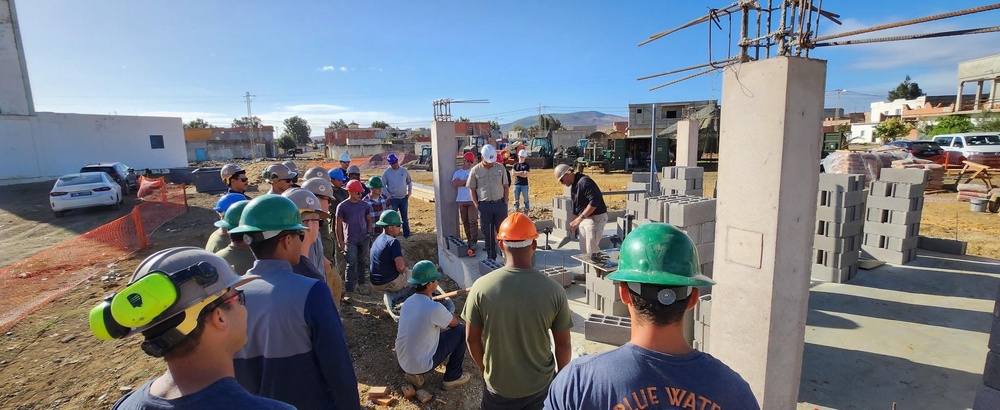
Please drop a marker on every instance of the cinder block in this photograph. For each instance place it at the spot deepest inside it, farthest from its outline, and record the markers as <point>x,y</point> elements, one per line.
<point>897,231</point>
<point>605,288</point>
<point>838,245</point>
<point>889,256</point>
<point>835,259</point>
<point>902,244</point>
<point>706,252</point>
<point>693,232</point>
<point>902,218</point>
<point>678,184</point>
<point>640,177</point>
<point>907,175</point>
<point>457,246</point>
<point>488,265</point>
<point>691,212</point>
<point>987,398</point>
<point>896,204</point>
<point>613,330</point>
<point>991,374</point>
<point>839,198</point>
<point>904,190</point>
<point>833,275</point>
<point>708,232</point>
<point>560,275</point>
<point>839,230</point>
<point>942,245</point>
<point>881,188</point>
<point>683,173</point>
<point>703,310</point>
<point>844,182</point>
<point>848,213</point>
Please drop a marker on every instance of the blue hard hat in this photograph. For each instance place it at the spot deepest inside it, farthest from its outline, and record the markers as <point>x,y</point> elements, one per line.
<point>338,173</point>
<point>228,200</point>
<point>392,158</point>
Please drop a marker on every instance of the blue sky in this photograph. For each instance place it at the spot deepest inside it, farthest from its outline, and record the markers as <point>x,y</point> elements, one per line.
<point>368,60</point>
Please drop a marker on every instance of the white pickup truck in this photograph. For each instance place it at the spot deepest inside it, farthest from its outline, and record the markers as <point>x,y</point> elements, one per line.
<point>979,147</point>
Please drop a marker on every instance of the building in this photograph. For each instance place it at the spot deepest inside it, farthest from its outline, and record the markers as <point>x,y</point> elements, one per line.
<point>640,123</point>
<point>979,71</point>
<point>38,146</point>
<point>224,144</point>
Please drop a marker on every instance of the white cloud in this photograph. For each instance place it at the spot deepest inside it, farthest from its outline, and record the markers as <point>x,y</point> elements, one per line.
<point>328,68</point>
<point>342,68</point>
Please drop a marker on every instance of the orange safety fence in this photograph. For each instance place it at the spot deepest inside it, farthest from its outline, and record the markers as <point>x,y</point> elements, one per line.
<point>34,282</point>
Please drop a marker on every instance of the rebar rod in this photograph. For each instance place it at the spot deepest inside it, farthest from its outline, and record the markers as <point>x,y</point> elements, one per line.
<point>953,33</point>
<point>685,78</point>
<point>910,22</point>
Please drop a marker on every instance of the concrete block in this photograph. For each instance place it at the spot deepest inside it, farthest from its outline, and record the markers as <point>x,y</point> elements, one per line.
<point>838,245</point>
<point>902,218</point>
<point>708,232</point>
<point>640,177</point>
<point>838,230</point>
<point>683,173</point>
<point>902,244</point>
<point>613,330</point>
<point>833,275</point>
<point>848,213</point>
<point>707,270</point>
<point>896,204</point>
<point>839,198</point>
<point>881,188</point>
<point>694,232</point>
<point>678,184</point>
<point>703,310</point>
<point>706,252</point>
<point>987,398</point>
<point>605,288</point>
<point>942,245</point>
<point>687,212</point>
<point>560,275</point>
<point>907,175</point>
<point>893,230</point>
<point>835,259</point>
<point>841,182</point>
<point>488,265</point>
<point>457,246</point>
<point>904,190</point>
<point>889,256</point>
<point>991,374</point>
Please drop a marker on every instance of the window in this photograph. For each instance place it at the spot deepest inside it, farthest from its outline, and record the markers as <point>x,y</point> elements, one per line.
<point>638,110</point>
<point>156,141</point>
<point>862,133</point>
<point>667,114</point>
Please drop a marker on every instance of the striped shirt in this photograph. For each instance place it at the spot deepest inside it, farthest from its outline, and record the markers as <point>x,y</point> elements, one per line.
<point>379,204</point>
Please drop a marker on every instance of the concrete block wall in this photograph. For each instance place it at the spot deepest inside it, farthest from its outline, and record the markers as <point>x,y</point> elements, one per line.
<point>840,205</point>
<point>602,294</point>
<point>682,181</point>
<point>988,393</point>
<point>892,217</point>
<point>613,330</point>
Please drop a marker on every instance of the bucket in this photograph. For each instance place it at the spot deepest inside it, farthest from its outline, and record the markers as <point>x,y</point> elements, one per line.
<point>977,204</point>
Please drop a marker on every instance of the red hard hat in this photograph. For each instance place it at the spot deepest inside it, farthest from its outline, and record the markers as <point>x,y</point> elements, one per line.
<point>470,157</point>
<point>355,186</point>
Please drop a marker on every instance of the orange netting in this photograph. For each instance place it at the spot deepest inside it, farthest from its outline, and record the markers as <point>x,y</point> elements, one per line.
<point>32,283</point>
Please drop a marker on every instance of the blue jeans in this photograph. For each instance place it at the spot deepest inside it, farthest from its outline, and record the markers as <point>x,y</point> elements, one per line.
<point>519,191</point>
<point>355,272</point>
<point>402,205</point>
<point>451,344</point>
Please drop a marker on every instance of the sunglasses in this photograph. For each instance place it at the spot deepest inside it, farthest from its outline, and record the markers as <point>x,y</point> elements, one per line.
<point>239,296</point>
<point>243,179</point>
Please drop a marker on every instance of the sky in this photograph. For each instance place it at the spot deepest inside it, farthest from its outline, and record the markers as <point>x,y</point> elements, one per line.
<point>388,60</point>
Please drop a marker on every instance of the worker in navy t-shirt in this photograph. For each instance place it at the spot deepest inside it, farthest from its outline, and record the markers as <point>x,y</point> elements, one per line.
<point>657,274</point>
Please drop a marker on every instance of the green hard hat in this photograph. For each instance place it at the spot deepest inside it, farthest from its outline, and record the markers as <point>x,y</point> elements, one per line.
<point>389,218</point>
<point>270,213</point>
<point>375,182</point>
<point>659,254</point>
<point>231,219</point>
<point>424,272</point>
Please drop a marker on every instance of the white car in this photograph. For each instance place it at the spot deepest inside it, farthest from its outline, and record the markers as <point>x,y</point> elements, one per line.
<point>979,147</point>
<point>84,190</point>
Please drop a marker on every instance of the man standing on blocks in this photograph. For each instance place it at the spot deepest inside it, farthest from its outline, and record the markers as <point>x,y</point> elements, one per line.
<point>509,314</point>
<point>658,275</point>
<point>429,334</point>
<point>489,187</point>
<point>521,170</point>
<point>466,209</point>
<point>399,187</point>
<point>588,206</point>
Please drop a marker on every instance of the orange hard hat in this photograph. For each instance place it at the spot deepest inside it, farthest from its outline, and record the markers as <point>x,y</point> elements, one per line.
<point>470,157</point>
<point>517,227</point>
<point>355,186</point>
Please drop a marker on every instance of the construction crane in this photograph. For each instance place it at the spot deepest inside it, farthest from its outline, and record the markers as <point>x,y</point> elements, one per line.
<point>442,107</point>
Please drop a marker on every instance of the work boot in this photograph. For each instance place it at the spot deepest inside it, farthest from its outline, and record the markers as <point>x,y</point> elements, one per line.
<point>457,382</point>
<point>365,289</point>
<point>417,380</point>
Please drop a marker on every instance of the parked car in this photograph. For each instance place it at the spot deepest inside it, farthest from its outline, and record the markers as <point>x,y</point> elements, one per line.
<point>119,172</point>
<point>979,147</point>
<point>919,149</point>
<point>84,190</point>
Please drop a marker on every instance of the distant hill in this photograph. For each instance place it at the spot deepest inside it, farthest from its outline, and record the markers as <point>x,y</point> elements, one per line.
<point>597,118</point>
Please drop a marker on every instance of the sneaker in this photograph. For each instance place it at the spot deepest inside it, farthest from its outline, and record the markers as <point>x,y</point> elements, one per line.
<point>448,385</point>
<point>416,380</point>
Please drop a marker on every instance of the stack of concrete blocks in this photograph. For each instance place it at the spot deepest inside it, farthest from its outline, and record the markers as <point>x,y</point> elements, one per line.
<point>839,225</point>
<point>562,214</point>
<point>988,393</point>
<point>613,330</point>
<point>643,178</point>
<point>635,204</point>
<point>702,321</point>
<point>456,246</point>
<point>694,215</point>
<point>892,222</point>
<point>488,265</point>
<point>561,275</point>
<point>602,294</point>
<point>682,181</point>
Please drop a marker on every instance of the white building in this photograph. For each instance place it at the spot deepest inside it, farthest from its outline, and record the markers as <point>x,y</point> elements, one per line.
<point>37,146</point>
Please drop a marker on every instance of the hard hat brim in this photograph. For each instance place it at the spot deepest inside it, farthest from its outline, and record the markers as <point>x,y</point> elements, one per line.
<point>660,278</point>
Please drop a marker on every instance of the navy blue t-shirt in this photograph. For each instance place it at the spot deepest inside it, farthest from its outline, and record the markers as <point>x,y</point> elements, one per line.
<point>384,251</point>
<point>224,393</point>
<point>643,378</point>
<point>521,166</point>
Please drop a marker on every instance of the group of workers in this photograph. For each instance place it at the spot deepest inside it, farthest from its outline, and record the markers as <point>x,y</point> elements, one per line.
<point>253,322</point>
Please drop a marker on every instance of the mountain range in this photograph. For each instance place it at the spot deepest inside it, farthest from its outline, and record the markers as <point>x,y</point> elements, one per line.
<point>597,118</point>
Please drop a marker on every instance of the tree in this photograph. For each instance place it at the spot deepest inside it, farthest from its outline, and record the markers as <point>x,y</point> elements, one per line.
<point>495,126</point>
<point>518,128</point>
<point>463,119</point>
<point>906,90</point>
<point>198,123</point>
<point>298,128</point>
<point>338,125</point>
<point>950,125</point>
<point>287,142</point>
<point>989,123</point>
<point>891,129</point>
<point>246,122</point>
<point>380,124</point>
<point>545,123</point>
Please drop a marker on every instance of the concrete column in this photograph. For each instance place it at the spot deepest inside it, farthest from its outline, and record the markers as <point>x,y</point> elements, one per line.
<point>444,148</point>
<point>15,89</point>
<point>958,98</point>
<point>979,96</point>
<point>994,104</point>
<point>766,214</point>
<point>687,143</point>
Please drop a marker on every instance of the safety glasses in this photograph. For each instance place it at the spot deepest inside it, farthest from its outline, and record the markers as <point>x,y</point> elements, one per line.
<point>239,296</point>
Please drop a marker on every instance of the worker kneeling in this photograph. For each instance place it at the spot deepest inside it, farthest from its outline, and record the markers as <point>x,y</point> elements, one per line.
<point>429,333</point>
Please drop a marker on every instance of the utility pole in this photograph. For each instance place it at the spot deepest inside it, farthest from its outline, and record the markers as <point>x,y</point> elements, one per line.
<point>253,133</point>
<point>652,154</point>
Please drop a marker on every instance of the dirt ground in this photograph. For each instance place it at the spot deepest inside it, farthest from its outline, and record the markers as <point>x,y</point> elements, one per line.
<point>51,360</point>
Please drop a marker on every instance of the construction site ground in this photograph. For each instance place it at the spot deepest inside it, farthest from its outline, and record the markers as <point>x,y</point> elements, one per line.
<point>50,359</point>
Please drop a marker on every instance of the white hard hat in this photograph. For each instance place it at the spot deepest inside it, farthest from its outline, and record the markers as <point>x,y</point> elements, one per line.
<point>229,170</point>
<point>522,153</point>
<point>344,157</point>
<point>489,154</point>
